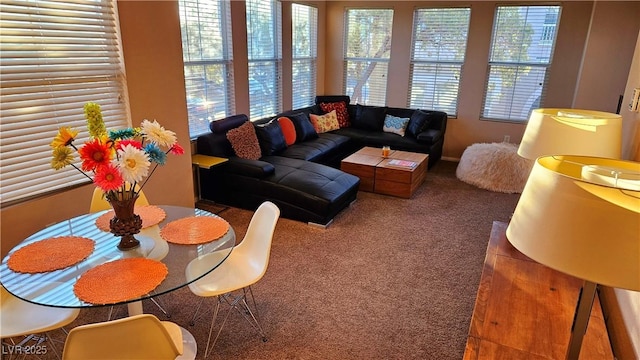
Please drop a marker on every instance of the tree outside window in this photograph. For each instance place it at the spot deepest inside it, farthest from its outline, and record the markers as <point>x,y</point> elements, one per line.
<point>207,54</point>
<point>367,53</point>
<point>439,46</point>
<point>521,52</point>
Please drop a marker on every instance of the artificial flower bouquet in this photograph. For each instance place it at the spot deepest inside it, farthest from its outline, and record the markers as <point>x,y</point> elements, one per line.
<point>119,160</point>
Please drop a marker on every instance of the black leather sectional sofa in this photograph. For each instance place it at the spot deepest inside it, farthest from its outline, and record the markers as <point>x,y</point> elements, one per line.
<point>303,178</point>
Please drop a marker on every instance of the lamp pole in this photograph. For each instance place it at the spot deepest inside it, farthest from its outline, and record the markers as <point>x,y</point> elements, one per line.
<point>581,318</point>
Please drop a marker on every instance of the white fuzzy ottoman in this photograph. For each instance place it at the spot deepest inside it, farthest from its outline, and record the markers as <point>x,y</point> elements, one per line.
<point>495,167</point>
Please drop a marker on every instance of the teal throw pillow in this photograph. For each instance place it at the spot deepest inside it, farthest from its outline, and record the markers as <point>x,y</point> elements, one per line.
<point>394,124</point>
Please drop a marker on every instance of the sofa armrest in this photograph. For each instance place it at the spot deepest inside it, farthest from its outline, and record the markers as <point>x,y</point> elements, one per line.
<point>253,168</point>
<point>429,136</point>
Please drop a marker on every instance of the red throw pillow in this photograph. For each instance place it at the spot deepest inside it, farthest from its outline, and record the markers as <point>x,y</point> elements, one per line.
<point>341,112</point>
<point>288,129</point>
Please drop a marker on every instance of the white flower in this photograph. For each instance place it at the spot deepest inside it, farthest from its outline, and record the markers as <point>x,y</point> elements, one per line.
<point>133,163</point>
<point>154,132</point>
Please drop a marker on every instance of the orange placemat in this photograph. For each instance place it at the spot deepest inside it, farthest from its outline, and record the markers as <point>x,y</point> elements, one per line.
<point>150,215</point>
<point>194,230</point>
<point>120,280</point>
<point>50,254</point>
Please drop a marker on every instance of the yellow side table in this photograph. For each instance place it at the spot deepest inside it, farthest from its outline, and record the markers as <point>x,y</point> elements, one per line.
<point>205,162</point>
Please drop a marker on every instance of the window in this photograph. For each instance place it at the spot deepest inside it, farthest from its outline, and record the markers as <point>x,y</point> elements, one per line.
<point>439,45</point>
<point>367,52</point>
<point>208,68</point>
<point>304,20</point>
<point>264,48</point>
<point>521,51</point>
<point>56,56</point>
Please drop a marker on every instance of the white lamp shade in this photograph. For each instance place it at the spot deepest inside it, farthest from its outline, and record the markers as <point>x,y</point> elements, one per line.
<point>572,132</point>
<point>589,229</point>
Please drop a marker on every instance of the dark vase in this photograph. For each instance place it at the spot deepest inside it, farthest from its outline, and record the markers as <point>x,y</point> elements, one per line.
<point>125,223</point>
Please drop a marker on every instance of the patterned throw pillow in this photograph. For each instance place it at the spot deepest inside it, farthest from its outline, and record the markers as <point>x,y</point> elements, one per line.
<point>394,124</point>
<point>244,141</point>
<point>326,122</point>
<point>341,112</point>
<point>288,129</point>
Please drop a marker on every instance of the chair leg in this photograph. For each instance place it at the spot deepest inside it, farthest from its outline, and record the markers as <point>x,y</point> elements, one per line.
<point>233,302</point>
<point>213,320</point>
<point>255,323</point>
<point>159,305</point>
<point>195,314</point>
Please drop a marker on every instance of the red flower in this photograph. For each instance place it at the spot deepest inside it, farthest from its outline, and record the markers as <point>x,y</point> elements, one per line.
<point>94,154</point>
<point>135,143</point>
<point>108,178</point>
<point>176,149</point>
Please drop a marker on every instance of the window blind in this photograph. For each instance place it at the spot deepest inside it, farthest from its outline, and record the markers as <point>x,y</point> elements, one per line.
<point>304,20</point>
<point>54,57</point>
<point>438,50</point>
<point>264,34</point>
<point>367,52</point>
<point>522,47</point>
<point>208,62</point>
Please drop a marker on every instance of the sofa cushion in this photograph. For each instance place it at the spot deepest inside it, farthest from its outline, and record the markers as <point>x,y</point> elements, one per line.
<point>395,125</point>
<point>288,130</point>
<point>270,137</point>
<point>369,117</point>
<point>244,141</point>
<point>304,128</point>
<point>326,122</point>
<point>223,125</point>
<point>326,146</point>
<point>340,108</point>
<point>419,121</point>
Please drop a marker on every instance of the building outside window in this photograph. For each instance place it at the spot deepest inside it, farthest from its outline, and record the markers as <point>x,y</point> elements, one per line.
<point>304,20</point>
<point>438,50</point>
<point>264,46</point>
<point>367,53</point>
<point>208,67</point>
<point>522,47</point>
<point>56,56</point>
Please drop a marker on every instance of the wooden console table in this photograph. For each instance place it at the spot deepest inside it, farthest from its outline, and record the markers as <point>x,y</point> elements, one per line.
<point>524,310</point>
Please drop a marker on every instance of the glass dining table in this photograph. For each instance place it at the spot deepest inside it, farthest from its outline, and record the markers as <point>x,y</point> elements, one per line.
<point>56,288</point>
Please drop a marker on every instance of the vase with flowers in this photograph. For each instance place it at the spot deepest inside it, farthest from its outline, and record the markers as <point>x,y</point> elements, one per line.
<point>119,162</point>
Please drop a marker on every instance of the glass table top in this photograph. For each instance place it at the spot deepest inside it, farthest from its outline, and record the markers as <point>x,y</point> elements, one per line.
<point>55,288</point>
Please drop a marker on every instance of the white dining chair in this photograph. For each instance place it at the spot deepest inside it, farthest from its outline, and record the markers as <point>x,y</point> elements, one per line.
<point>20,318</point>
<point>231,281</point>
<point>99,203</point>
<point>135,337</point>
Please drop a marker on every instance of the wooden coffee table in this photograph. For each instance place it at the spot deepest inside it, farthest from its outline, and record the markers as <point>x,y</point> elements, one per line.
<point>376,175</point>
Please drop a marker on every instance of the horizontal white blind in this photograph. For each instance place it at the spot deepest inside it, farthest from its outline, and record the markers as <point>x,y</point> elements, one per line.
<point>208,67</point>
<point>54,57</point>
<point>264,45</point>
<point>439,45</point>
<point>304,44</point>
<point>367,52</point>
<point>522,47</point>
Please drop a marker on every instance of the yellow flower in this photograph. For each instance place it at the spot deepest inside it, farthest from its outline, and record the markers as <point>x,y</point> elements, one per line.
<point>61,157</point>
<point>93,114</point>
<point>64,137</point>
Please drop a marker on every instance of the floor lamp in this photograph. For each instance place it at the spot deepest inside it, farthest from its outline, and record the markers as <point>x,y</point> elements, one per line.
<point>572,132</point>
<point>580,215</point>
